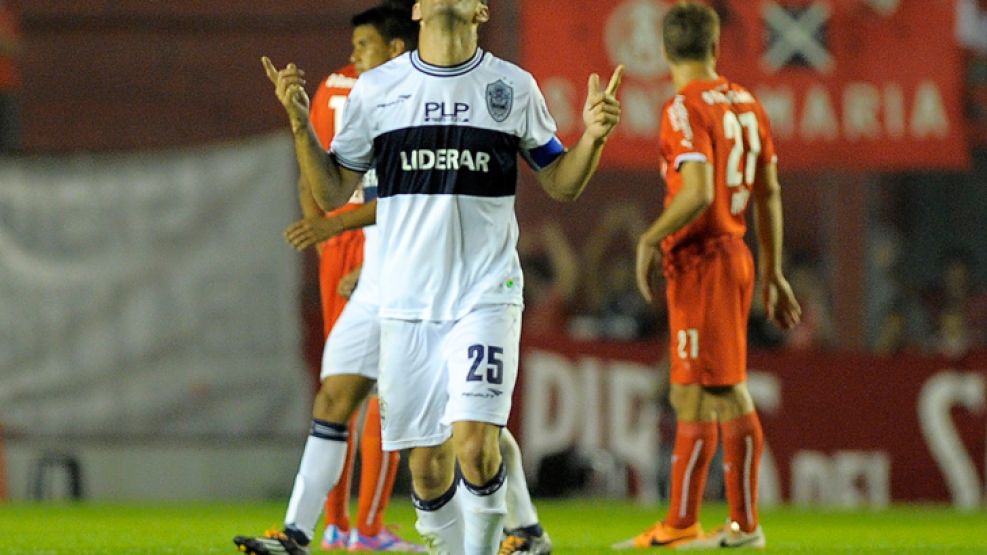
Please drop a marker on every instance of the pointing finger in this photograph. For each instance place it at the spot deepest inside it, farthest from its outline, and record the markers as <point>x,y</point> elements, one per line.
<point>615,79</point>
<point>272,72</point>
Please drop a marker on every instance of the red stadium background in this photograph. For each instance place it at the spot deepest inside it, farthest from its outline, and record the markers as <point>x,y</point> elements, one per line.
<point>845,85</point>
<point>842,429</point>
<point>859,97</point>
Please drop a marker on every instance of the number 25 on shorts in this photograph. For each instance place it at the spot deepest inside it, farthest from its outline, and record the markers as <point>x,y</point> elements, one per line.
<point>490,355</point>
<point>688,343</point>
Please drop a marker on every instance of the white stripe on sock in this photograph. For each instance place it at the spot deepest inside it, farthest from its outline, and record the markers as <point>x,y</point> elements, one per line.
<point>684,504</point>
<point>748,463</point>
<point>385,466</point>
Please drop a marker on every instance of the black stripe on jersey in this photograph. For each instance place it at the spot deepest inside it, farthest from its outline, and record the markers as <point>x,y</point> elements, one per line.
<point>446,160</point>
<point>447,71</point>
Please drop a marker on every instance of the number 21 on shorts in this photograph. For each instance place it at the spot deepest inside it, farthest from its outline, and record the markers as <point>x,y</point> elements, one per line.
<point>688,343</point>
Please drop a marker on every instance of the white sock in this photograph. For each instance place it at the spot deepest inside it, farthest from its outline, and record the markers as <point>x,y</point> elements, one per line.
<point>322,463</point>
<point>484,508</point>
<point>440,522</point>
<point>520,510</point>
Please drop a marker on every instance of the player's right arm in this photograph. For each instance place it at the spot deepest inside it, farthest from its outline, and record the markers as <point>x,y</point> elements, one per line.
<point>316,229</point>
<point>689,203</point>
<point>310,208</point>
<point>687,146</point>
<point>330,184</point>
<point>779,301</point>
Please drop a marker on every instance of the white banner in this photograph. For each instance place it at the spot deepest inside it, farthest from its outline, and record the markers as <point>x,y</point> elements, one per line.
<point>151,293</point>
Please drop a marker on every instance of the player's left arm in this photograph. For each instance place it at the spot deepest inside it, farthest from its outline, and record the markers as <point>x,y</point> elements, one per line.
<point>779,301</point>
<point>689,203</point>
<point>567,177</point>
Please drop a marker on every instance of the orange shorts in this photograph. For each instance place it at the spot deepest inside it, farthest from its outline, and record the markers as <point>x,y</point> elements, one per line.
<point>340,255</point>
<point>709,290</point>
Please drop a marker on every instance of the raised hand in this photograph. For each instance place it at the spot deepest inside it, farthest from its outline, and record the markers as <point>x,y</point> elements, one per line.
<point>289,86</point>
<point>602,110</point>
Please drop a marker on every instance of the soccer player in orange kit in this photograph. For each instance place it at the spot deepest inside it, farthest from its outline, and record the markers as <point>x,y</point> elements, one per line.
<point>716,154</point>
<point>379,34</point>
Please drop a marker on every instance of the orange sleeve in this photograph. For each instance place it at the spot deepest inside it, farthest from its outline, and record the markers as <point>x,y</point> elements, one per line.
<point>326,112</point>
<point>685,134</point>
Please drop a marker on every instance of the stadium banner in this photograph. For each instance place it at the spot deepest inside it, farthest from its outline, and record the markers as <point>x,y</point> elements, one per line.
<point>847,84</point>
<point>151,294</point>
<point>842,430</point>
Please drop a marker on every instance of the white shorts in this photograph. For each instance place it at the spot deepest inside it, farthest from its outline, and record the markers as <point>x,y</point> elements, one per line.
<point>435,373</point>
<point>353,345</point>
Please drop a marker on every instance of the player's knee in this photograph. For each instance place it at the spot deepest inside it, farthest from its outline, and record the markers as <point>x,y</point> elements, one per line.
<point>339,397</point>
<point>687,400</point>
<point>737,402</point>
<point>333,405</point>
<point>431,471</point>
<point>479,457</point>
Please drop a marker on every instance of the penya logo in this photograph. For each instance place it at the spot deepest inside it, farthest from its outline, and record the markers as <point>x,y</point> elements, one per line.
<point>500,100</point>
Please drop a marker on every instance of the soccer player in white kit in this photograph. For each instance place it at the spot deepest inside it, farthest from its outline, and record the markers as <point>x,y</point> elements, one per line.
<point>443,126</point>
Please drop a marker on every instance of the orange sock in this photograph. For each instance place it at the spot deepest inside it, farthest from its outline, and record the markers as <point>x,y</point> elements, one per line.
<point>378,469</point>
<point>743,442</point>
<point>695,445</point>
<point>338,502</point>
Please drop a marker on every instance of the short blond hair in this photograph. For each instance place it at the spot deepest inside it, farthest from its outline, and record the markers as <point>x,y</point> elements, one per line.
<point>690,31</point>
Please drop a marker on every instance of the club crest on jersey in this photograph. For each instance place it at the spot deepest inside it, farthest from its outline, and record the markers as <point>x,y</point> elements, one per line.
<point>500,100</point>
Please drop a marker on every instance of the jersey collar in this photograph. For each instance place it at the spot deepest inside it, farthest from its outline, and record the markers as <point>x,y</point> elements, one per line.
<point>447,71</point>
<point>704,84</point>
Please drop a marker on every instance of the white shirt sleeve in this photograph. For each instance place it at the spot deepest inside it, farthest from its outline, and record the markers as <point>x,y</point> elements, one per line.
<point>353,144</point>
<point>539,144</point>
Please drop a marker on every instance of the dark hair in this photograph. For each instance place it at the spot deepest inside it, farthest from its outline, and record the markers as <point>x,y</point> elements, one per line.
<point>399,4</point>
<point>690,31</point>
<point>391,22</point>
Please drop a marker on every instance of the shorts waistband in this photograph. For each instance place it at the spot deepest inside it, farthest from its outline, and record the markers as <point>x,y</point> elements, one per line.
<point>683,258</point>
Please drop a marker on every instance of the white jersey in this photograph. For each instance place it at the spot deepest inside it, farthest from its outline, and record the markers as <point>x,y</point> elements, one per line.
<point>444,142</point>
<point>367,287</point>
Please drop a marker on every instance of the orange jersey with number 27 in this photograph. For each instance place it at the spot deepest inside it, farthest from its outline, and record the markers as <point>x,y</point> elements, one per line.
<point>709,268</point>
<point>720,123</point>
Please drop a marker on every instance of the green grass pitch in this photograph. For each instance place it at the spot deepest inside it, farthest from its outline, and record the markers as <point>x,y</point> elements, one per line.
<point>578,526</point>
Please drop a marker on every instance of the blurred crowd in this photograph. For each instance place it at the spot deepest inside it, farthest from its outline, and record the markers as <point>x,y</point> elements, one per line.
<point>925,271</point>
<point>588,293</point>
<point>946,317</point>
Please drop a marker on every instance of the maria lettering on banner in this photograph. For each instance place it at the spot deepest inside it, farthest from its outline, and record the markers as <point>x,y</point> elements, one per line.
<point>847,84</point>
